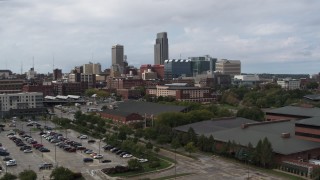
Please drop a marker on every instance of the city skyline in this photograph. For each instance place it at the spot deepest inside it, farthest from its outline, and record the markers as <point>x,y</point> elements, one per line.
<point>268,37</point>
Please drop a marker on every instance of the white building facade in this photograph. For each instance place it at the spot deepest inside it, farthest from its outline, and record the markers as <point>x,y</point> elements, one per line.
<point>289,84</point>
<point>30,102</point>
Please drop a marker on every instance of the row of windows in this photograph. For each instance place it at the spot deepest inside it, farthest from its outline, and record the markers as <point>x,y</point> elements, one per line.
<point>307,135</point>
<point>307,126</point>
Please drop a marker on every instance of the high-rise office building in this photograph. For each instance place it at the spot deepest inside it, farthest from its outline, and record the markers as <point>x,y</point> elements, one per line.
<point>161,48</point>
<point>117,59</point>
<point>57,74</point>
<point>92,68</point>
<point>230,67</point>
<point>202,64</point>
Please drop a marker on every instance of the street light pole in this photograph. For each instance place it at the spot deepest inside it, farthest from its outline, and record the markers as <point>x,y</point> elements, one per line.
<point>55,155</point>
<point>175,159</point>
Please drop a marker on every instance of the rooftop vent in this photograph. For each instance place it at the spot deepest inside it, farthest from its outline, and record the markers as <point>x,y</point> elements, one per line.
<point>285,135</point>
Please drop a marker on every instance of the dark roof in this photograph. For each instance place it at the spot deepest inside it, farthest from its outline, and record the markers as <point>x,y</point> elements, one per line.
<point>315,121</point>
<point>211,126</point>
<point>142,108</point>
<point>186,88</point>
<point>272,131</point>
<point>296,111</point>
<point>313,97</point>
<point>116,112</point>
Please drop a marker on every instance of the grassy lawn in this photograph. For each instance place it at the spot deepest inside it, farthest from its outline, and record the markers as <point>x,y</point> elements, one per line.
<point>229,106</point>
<point>146,169</point>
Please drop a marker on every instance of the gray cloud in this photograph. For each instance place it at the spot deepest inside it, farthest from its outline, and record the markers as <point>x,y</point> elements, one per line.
<point>260,33</point>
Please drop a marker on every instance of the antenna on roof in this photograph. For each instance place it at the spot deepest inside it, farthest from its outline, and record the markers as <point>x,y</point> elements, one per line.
<point>92,57</point>
<point>52,61</point>
<point>33,62</point>
<point>21,67</point>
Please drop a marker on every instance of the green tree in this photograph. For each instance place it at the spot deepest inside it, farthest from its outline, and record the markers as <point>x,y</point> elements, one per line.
<point>175,143</point>
<point>312,85</point>
<point>253,113</point>
<point>209,145</point>
<point>266,156</point>
<point>90,92</point>
<point>156,149</point>
<point>257,152</point>
<point>192,136</point>
<point>28,175</point>
<point>190,148</point>
<point>135,165</point>
<point>122,135</point>
<point>102,94</point>
<point>316,173</point>
<point>8,176</point>
<point>201,143</point>
<point>149,145</point>
<point>61,173</point>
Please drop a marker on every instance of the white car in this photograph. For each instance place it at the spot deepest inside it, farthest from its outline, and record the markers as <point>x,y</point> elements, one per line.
<point>11,162</point>
<point>127,156</point>
<point>98,156</point>
<point>27,151</point>
<point>143,160</point>
<point>83,137</point>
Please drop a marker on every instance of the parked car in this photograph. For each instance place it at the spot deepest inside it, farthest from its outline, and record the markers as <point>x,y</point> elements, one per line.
<point>83,137</point>
<point>88,151</point>
<point>98,156</point>
<point>107,147</point>
<point>47,127</point>
<point>7,158</point>
<point>127,156</point>
<point>72,150</point>
<point>45,166</point>
<point>24,148</point>
<point>81,148</point>
<point>42,149</point>
<point>91,141</point>
<point>87,160</point>
<point>11,162</point>
<point>114,149</point>
<point>105,161</point>
<point>27,151</point>
<point>30,124</point>
<point>4,153</point>
<point>143,160</point>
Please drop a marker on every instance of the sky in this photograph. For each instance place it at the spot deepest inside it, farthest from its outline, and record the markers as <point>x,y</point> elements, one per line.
<point>274,36</point>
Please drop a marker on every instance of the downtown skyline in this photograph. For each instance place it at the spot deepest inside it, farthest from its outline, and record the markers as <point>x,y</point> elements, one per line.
<point>268,37</point>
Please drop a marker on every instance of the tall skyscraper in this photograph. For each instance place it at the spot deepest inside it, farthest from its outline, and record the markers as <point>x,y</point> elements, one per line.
<point>117,59</point>
<point>161,48</point>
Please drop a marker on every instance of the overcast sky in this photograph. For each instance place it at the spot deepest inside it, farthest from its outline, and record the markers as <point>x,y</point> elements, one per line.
<point>268,36</point>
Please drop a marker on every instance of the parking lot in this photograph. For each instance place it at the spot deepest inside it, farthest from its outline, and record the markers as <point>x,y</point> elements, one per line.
<point>56,156</point>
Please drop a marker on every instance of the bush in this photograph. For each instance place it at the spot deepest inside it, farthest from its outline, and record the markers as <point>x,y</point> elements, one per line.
<point>154,164</point>
<point>115,170</point>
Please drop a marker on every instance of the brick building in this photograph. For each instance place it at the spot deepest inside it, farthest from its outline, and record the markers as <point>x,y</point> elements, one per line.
<point>47,90</point>
<point>11,85</point>
<point>75,88</point>
<point>123,83</point>
<point>120,116</point>
<point>182,92</point>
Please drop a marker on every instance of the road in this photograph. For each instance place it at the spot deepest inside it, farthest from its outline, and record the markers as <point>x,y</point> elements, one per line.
<point>207,167</point>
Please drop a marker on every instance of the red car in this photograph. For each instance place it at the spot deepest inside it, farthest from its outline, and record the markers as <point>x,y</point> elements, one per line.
<point>37,145</point>
<point>72,150</point>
